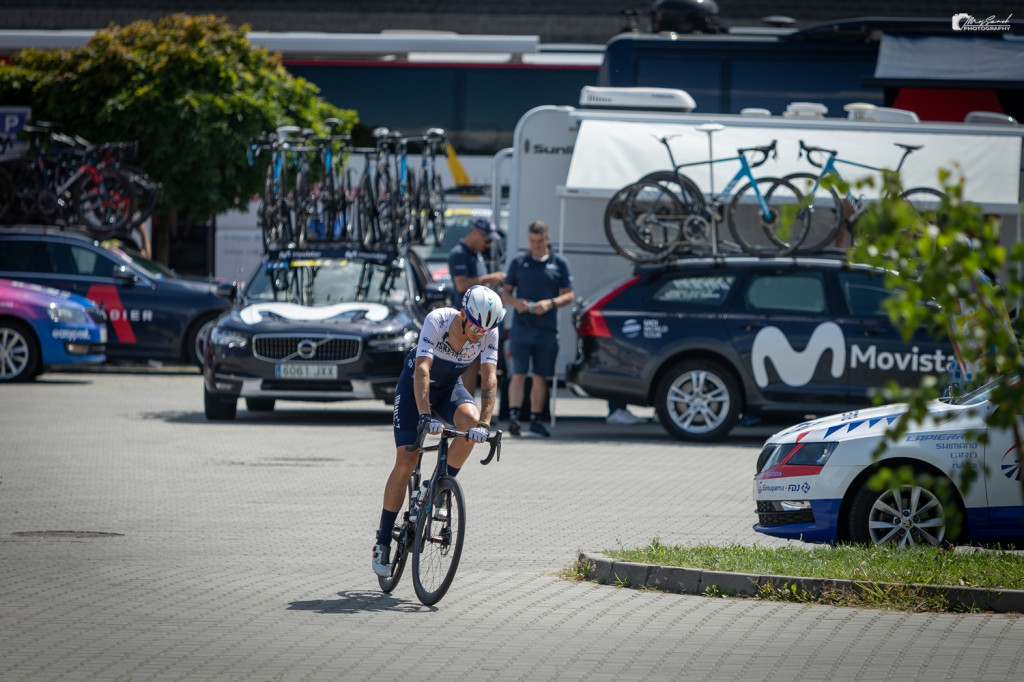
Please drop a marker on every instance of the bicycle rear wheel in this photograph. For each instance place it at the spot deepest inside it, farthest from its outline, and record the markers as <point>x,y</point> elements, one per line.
<point>825,212</point>
<point>105,202</point>
<point>778,233</point>
<point>619,230</point>
<point>437,547</point>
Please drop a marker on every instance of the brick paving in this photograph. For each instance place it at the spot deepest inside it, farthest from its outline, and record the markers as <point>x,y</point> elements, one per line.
<point>241,553</point>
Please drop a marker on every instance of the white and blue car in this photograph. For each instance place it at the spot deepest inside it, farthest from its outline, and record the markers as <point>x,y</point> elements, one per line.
<point>812,481</point>
<point>40,327</point>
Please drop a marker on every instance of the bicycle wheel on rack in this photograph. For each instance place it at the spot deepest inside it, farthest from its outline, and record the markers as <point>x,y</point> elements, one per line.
<point>927,202</point>
<point>104,201</point>
<point>825,213</point>
<point>781,231</point>
<point>366,214</point>
<point>622,234</point>
<point>436,209</point>
<point>696,230</point>
<point>437,547</point>
<point>8,198</point>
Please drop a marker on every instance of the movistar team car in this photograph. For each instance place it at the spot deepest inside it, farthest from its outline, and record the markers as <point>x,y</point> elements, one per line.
<point>318,325</point>
<point>813,480</point>
<point>40,327</point>
<point>708,341</point>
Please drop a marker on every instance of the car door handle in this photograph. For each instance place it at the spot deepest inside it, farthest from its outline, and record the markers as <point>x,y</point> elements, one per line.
<point>872,331</point>
<point>751,327</point>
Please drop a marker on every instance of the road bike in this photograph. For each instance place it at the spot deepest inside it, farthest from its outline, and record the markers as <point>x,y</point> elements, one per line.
<point>433,526</point>
<point>430,203</point>
<point>274,213</point>
<point>665,213</point>
<point>829,214</point>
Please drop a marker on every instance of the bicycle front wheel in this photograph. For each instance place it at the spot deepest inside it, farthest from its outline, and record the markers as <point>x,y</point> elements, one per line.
<point>437,547</point>
<point>926,203</point>
<point>104,201</point>
<point>776,233</point>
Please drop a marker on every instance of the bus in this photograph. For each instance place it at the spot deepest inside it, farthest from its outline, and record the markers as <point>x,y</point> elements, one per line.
<point>921,65</point>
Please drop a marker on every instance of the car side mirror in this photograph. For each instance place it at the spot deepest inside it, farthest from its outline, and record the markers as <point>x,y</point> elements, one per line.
<point>435,293</point>
<point>124,276</point>
<point>227,290</point>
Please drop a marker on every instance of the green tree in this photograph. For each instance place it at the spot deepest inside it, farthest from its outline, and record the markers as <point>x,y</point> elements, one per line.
<point>191,89</point>
<point>935,260</point>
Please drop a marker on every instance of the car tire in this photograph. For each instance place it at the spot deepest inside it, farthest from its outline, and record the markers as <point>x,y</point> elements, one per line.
<point>195,340</point>
<point>925,512</point>
<point>260,404</point>
<point>219,407</point>
<point>698,400</point>
<point>19,353</point>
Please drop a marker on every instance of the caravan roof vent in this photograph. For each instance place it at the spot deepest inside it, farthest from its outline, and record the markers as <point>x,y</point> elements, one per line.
<point>990,117</point>
<point>805,110</point>
<point>863,111</point>
<point>755,112</point>
<point>661,99</point>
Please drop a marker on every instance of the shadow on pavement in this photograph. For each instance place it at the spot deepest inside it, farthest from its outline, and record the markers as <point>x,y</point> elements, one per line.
<point>360,601</point>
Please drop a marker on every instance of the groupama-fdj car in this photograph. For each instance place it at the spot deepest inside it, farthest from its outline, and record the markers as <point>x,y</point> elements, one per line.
<point>706,341</point>
<point>40,327</point>
<point>813,480</point>
<point>318,325</point>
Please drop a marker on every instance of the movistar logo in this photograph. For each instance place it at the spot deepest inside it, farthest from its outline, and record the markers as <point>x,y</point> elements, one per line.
<point>796,368</point>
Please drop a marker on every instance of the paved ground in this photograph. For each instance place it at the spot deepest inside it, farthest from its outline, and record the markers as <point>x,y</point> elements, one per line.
<point>241,553</point>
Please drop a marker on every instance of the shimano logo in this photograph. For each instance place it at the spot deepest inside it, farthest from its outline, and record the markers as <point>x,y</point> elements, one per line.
<point>796,368</point>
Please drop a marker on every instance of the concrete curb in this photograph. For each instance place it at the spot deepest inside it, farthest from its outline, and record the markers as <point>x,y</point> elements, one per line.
<point>697,581</point>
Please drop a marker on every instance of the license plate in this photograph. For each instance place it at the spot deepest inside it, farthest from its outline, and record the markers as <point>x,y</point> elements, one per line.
<point>306,370</point>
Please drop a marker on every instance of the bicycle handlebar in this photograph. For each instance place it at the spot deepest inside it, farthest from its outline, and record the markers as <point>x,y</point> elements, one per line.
<point>767,151</point>
<point>421,433</point>
<point>805,148</point>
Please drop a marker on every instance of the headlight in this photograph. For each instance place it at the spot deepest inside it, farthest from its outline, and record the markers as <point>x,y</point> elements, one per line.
<point>226,338</point>
<point>59,313</point>
<point>401,342</point>
<point>800,454</point>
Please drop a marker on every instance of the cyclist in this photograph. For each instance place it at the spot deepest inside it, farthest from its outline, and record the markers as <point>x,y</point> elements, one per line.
<point>430,389</point>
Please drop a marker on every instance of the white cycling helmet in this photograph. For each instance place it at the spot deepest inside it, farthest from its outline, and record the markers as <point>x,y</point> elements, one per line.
<point>483,307</point>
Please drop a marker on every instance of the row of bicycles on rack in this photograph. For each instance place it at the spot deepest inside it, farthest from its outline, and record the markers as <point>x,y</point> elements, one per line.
<point>66,180</point>
<point>665,214</point>
<point>312,194</point>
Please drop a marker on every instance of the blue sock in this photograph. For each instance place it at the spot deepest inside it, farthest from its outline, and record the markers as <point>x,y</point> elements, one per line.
<point>453,471</point>
<point>513,414</point>
<point>387,524</point>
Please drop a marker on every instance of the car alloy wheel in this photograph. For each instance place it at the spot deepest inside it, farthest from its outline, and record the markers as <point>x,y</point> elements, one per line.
<point>698,400</point>
<point>18,355</point>
<point>906,515</point>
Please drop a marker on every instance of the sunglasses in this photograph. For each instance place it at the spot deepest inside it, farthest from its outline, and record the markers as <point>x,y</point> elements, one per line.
<point>473,328</point>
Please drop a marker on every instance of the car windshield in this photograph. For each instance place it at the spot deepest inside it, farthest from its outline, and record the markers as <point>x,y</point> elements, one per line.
<point>326,281</point>
<point>979,394</point>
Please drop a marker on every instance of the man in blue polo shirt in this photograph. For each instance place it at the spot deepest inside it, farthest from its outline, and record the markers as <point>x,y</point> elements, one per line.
<point>536,285</point>
<point>467,268</point>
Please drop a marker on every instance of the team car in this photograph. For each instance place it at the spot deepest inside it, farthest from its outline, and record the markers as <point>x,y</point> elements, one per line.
<point>151,312</point>
<point>40,327</point>
<point>708,341</point>
<point>318,325</point>
<point>813,480</point>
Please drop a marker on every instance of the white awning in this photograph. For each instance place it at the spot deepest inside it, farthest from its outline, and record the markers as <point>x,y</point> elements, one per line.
<point>610,154</point>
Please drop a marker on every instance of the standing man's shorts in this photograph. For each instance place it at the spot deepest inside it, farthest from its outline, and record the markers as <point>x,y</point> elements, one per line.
<point>540,346</point>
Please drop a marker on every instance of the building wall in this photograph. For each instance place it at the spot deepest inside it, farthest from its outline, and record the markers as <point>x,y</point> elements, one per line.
<point>587,21</point>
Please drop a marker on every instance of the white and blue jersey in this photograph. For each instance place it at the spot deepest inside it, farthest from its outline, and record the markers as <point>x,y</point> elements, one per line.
<point>446,389</point>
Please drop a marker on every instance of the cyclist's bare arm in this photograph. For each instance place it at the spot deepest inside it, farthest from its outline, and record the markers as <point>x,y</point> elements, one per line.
<point>421,383</point>
<point>488,390</point>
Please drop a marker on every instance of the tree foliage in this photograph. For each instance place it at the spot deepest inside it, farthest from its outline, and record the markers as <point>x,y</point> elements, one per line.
<point>191,89</point>
<point>935,262</point>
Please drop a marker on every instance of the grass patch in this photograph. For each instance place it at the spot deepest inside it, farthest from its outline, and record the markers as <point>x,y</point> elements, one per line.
<point>888,576</point>
<point>960,567</point>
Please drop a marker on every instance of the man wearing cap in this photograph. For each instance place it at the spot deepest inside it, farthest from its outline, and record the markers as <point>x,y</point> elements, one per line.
<point>467,268</point>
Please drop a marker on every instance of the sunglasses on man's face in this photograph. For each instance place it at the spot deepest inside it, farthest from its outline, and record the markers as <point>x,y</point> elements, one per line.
<point>473,328</point>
